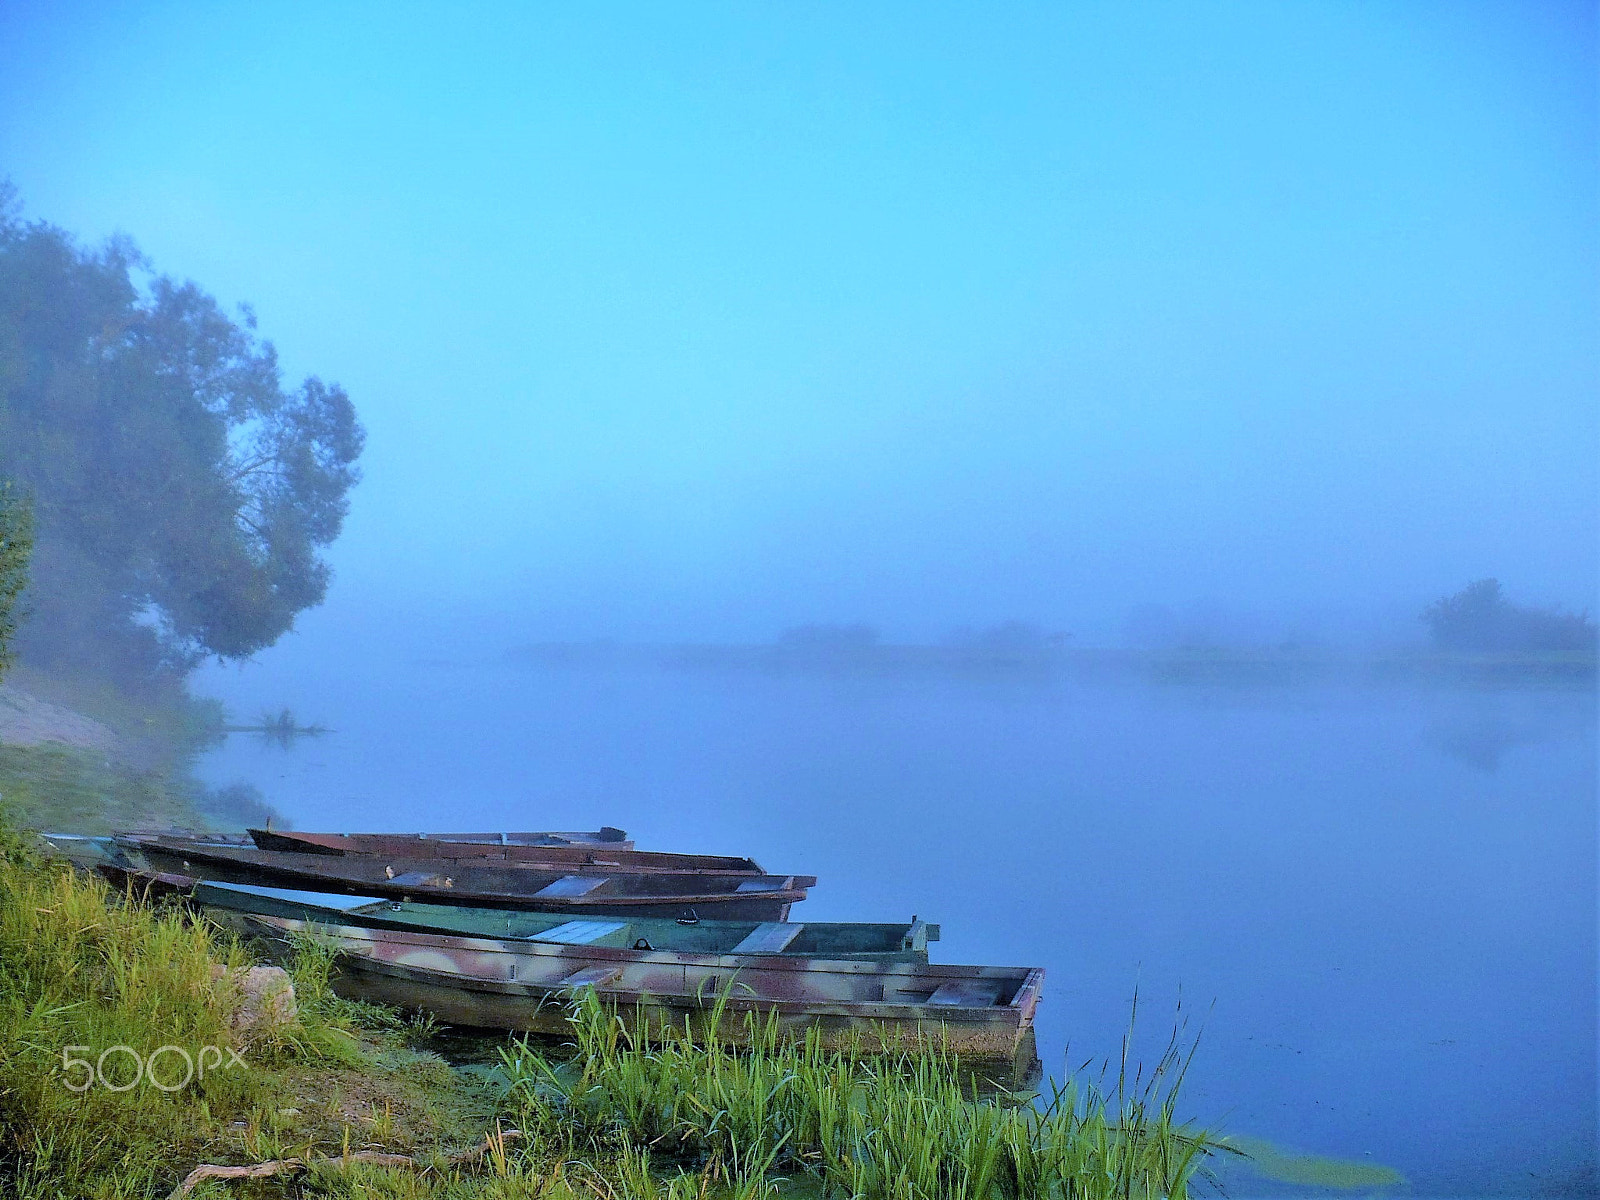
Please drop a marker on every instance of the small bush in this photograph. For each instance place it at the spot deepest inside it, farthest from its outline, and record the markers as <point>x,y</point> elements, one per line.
<point>1479,619</point>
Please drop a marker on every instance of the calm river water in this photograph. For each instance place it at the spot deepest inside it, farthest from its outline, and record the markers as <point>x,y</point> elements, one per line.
<point>1379,906</point>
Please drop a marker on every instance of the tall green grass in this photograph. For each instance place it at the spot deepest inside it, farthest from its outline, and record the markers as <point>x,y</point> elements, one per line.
<point>84,969</point>
<point>887,1127</point>
<point>79,970</point>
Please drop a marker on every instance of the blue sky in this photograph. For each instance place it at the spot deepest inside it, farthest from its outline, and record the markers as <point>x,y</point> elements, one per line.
<point>684,321</point>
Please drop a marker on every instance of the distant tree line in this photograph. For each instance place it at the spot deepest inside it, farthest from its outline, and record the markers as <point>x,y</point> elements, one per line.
<point>180,494</point>
<point>859,639</point>
<point>832,639</point>
<point>1011,637</point>
<point>1480,620</point>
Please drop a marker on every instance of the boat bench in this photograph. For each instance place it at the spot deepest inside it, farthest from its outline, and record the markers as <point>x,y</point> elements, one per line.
<point>761,885</point>
<point>592,976</point>
<point>770,937</point>
<point>967,993</point>
<point>578,933</point>
<point>571,886</point>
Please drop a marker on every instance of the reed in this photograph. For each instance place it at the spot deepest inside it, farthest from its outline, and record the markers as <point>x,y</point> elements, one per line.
<point>885,1127</point>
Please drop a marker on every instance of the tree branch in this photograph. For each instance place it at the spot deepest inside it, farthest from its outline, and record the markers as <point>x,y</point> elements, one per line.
<point>493,1145</point>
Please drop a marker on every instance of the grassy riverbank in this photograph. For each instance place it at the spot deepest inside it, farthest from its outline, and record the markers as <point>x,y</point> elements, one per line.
<point>1229,666</point>
<point>84,757</point>
<point>81,971</point>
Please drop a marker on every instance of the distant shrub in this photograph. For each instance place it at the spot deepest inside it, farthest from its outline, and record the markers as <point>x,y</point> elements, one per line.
<point>1480,620</point>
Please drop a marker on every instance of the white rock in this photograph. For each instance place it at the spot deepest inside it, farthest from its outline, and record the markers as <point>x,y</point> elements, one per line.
<point>266,999</point>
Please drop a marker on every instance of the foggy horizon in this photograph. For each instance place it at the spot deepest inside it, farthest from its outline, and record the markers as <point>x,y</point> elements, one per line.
<point>678,330</point>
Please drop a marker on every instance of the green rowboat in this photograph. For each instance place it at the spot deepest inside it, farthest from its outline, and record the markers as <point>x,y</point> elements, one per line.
<point>872,942</point>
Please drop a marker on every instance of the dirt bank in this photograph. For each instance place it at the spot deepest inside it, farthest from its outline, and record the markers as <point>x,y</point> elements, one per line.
<point>26,720</point>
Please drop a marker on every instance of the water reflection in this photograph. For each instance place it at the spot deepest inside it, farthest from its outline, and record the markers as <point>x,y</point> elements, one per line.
<point>1480,730</point>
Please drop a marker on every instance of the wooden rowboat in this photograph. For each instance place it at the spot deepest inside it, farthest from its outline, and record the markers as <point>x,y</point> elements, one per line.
<point>392,846</point>
<point>576,890</point>
<point>89,849</point>
<point>226,902</point>
<point>979,1013</point>
<point>390,843</point>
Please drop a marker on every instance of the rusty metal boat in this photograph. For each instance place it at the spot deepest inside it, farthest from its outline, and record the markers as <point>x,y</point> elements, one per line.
<point>393,846</point>
<point>978,1013</point>
<point>606,836</point>
<point>576,889</point>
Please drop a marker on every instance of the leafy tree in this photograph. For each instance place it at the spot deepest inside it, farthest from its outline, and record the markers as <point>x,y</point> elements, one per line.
<point>16,546</point>
<point>1479,619</point>
<point>182,494</point>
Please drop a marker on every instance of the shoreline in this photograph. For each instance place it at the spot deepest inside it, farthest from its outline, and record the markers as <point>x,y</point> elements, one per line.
<point>1200,665</point>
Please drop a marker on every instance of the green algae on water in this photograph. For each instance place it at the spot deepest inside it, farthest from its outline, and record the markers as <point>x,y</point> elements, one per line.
<point>1282,1165</point>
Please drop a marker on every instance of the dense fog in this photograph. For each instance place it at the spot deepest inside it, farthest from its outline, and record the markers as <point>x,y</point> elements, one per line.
<point>1120,481</point>
<point>676,328</point>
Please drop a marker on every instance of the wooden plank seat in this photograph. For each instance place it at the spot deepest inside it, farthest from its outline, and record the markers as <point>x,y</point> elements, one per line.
<point>571,886</point>
<point>579,933</point>
<point>967,993</point>
<point>770,884</point>
<point>593,976</point>
<point>770,937</point>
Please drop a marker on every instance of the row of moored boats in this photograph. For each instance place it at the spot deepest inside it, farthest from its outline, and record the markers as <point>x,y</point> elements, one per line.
<point>493,930</point>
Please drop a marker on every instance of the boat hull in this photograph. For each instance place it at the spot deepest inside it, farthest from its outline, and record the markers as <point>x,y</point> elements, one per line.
<point>856,1006</point>
<point>391,847</point>
<point>586,891</point>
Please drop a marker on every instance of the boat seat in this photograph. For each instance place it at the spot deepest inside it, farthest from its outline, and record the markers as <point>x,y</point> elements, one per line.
<point>569,886</point>
<point>578,933</point>
<point>592,976</point>
<point>770,937</point>
<point>967,993</point>
<point>760,885</point>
